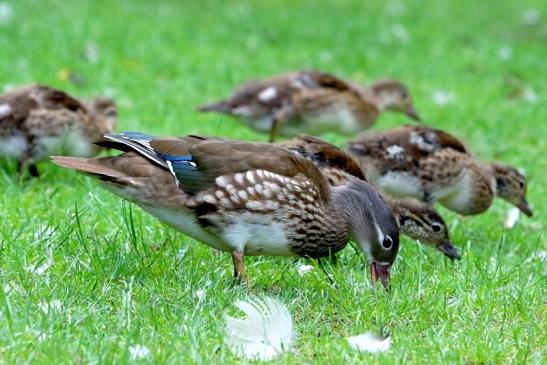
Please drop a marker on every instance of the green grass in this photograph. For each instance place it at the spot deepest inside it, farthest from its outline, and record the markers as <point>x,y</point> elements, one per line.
<point>122,279</point>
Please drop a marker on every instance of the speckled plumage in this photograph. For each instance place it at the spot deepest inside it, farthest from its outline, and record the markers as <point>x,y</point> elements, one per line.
<point>312,102</point>
<point>432,165</point>
<point>416,220</point>
<point>37,121</point>
<point>245,198</point>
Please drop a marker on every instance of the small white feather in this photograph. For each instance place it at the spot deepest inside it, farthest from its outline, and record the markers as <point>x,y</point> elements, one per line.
<point>540,256</point>
<point>138,352</point>
<point>512,218</point>
<point>395,150</point>
<point>265,333</point>
<point>369,342</point>
<point>267,94</point>
<point>302,269</point>
<point>5,110</point>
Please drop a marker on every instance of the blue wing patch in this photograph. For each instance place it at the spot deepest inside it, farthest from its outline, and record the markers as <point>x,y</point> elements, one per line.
<point>185,171</point>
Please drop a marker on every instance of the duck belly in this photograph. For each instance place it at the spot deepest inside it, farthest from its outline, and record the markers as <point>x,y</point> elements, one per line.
<point>400,185</point>
<point>254,234</point>
<point>261,124</point>
<point>185,221</point>
<point>257,234</point>
<point>336,119</point>
<point>462,198</point>
<point>13,147</point>
<point>251,233</point>
<point>72,143</point>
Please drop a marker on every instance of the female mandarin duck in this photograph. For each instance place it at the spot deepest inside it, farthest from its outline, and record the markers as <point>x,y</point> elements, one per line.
<point>246,198</point>
<point>432,165</point>
<point>37,121</point>
<point>416,220</point>
<point>312,102</point>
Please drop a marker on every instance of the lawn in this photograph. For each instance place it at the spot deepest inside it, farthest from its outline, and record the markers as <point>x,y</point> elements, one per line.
<point>85,277</point>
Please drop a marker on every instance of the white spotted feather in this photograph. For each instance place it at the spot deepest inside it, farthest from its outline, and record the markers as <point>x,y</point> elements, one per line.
<point>265,333</point>
<point>369,342</point>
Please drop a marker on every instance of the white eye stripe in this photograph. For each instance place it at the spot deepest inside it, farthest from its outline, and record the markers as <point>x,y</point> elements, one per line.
<point>385,241</point>
<point>380,233</point>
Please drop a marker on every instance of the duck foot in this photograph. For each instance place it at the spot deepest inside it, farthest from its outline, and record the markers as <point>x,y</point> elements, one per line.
<point>240,275</point>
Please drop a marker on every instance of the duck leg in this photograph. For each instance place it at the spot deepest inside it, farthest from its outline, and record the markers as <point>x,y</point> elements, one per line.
<point>239,265</point>
<point>23,164</point>
<point>20,168</point>
<point>24,161</point>
<point>33,170</point>
<point>282,115</point>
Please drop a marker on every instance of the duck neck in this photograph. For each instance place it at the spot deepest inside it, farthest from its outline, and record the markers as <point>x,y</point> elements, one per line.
<point>372,97</point>
<point>488,172</point>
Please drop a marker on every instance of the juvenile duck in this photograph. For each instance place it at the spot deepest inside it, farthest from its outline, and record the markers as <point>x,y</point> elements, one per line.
<point>37,121</point>
<point>415,219</point>
<point>432,165</point>
<point>246,198</point>
<point>312,102</point>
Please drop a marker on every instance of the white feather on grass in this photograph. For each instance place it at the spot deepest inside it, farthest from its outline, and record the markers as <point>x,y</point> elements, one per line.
<point>303,269</point>
<point>512,218</point>
<point>265,333</point>
<point>138,352</point>
<point>369,342</point>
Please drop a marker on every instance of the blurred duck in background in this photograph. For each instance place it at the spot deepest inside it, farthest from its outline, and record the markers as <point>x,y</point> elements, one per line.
<point>432,165</point>
<point>313,102</point>
<point>37,121</point>
<point>416,219</point>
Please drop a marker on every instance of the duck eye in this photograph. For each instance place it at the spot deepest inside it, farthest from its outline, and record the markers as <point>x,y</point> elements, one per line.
<point>521,184</point>
<point>387,242</point>
<point>436,227</point>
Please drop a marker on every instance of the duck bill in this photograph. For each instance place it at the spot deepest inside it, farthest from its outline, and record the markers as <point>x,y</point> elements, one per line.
<point>380,272</point>
<point>525,208</point>
<point>449,250</point>
<point>411,112</point>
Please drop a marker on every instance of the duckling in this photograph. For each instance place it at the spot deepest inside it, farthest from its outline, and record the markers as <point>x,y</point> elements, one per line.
<point>434,166</point>
<point>37,121</point>
<point>415,219</point>
<point>422,222</point>
<point>312,102</point>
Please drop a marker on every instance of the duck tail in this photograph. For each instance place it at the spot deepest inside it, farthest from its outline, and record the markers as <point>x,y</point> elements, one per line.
<point>97,167</point>
<point>222,106</point>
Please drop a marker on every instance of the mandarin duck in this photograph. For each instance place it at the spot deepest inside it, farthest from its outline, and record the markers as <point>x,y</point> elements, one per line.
<point>312,102</point>
<point>37,121</point>
<point>415,219</point>
<point>432,165</point>
<point>246,198</point>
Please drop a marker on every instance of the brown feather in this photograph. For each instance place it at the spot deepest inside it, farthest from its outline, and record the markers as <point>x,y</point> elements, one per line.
<point>416,142</point>
<point>323,154</point>
<point>215,157</point>
<point>286,85</point>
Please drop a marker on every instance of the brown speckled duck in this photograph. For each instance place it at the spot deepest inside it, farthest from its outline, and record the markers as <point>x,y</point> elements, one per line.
<point>37,121</point>
<point>312,102</point>
<point>416,219</point>
<point>246,198</point>
<point>432,165</point>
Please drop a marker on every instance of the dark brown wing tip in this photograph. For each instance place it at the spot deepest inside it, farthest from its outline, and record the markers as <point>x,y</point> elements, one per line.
<point>87,166</point>
<point>75,163</point>
<point>65,161</point>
